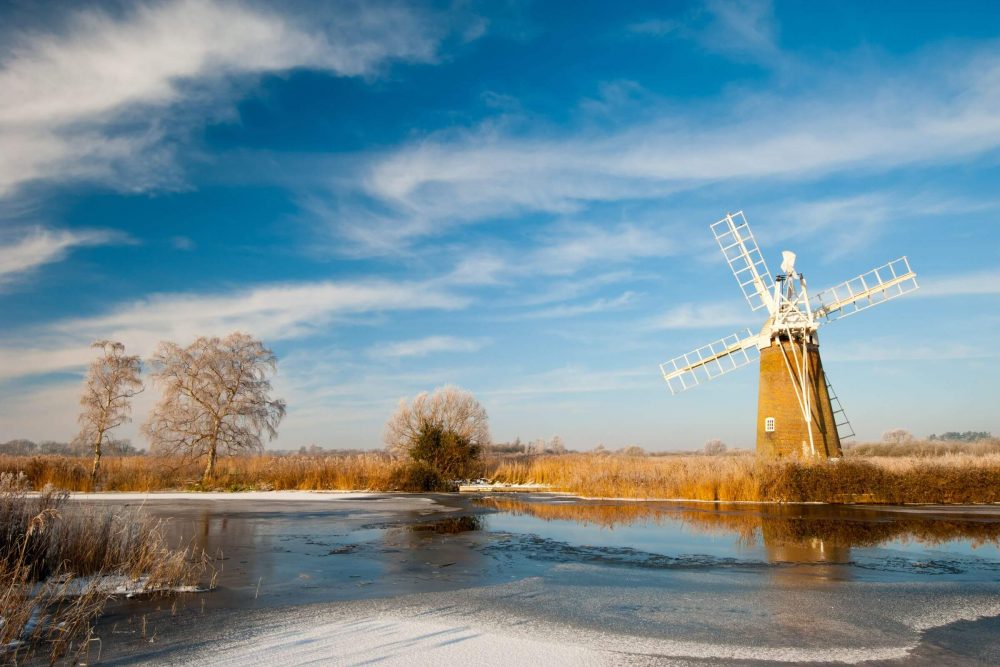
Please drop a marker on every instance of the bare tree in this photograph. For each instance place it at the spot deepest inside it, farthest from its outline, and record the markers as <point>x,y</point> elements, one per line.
<point>445,428</point>
<point>897,436</point>
<point>216,396</point>
<point>556,445</point>
<point>715,447</point>
<point>112,380</point>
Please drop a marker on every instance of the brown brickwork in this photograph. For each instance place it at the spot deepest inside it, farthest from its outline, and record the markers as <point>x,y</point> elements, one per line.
<point>777,399</point>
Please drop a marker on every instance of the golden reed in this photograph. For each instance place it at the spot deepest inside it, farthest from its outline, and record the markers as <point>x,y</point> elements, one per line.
<point>952,478</point>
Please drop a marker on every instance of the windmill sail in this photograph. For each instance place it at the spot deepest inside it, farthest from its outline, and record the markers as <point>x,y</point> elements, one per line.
<point>743,255</point>
<point>869,289</point>
<point>710,361</point>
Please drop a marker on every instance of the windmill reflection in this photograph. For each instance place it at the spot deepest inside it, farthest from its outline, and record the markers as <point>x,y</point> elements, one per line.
<point>811,534</point>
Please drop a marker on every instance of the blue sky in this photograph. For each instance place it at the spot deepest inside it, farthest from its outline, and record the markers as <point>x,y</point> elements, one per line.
<point>510,197</point>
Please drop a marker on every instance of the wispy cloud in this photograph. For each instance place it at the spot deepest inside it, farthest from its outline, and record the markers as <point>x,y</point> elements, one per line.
<point>827,128</point>
<point>704,316</point>
<point>22,253</point>
<point>893,350</point>
<point>422,347</point>
<point>578,309</point>
<point>744,28</point>
<point>565,249</point>
<point>87,100</point>
<point>576,380</point>
<point>741,29</point>
<point>271,312</point>
<point>974,282</point>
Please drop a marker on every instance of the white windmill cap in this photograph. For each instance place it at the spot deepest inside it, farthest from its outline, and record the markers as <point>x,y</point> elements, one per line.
<point>787,261</point>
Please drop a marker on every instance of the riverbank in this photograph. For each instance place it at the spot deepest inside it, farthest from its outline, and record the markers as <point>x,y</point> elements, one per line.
<point>61,563</point>
<point>949,479</point>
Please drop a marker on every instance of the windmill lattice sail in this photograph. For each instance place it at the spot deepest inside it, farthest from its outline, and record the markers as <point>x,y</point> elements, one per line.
<point>798,414</point>
<point>745,260</point>
<point>710,361</point>
<point>879,285</point>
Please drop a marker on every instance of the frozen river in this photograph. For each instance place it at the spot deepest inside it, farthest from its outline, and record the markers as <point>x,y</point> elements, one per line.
<point>442,579</point>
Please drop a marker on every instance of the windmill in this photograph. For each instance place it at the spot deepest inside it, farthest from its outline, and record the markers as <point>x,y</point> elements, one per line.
<point>797,411</point>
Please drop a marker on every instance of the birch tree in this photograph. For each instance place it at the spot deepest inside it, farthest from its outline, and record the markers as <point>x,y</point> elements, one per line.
<point>112,380</point>
<point>216,398</point>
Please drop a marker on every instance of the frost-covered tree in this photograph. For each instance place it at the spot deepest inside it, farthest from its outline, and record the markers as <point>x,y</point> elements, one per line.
<point>112,380</point>
<point>897,436</point>
<point>556,445</point>
<point>446,429</point>
<point>715,447</point>
<point>216,398</point>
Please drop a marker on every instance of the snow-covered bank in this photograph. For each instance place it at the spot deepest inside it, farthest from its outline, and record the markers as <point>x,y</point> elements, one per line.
<point>366,634</point>
<point>403,642</point>
<point>287,501</point>
<point>134,496</point>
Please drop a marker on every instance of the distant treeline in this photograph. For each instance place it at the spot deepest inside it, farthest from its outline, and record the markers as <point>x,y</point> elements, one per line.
<point>964,436</point>
<point>925,448</point>
<point>23,447</point>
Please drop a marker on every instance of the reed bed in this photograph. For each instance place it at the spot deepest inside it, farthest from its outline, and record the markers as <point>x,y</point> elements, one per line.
<point>924,448</point>
<point>374,471</point>
<point>950,478</point>
<point>59,564</point>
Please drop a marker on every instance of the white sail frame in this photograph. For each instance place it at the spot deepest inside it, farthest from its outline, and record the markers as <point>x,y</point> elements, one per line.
<point>879,285</point>
<point>745,260</point>
<point>710,361</point>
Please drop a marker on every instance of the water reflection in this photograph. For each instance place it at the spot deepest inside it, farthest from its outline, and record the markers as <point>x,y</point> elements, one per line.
<point>787,533</point>
<point>451,525</point>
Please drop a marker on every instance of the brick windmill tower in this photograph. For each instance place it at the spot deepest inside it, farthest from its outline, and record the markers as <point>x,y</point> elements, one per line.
<point>798,413</point>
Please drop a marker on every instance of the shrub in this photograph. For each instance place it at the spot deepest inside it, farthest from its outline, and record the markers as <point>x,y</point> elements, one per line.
<point>446,429</point>
<point>445,451</point>
<point>415,477</point>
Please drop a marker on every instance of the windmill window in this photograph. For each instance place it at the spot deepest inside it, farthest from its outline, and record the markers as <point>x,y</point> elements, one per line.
<point>769,424</point>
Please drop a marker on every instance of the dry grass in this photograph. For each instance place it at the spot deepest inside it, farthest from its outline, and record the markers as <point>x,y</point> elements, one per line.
<point>947,479</point>
<point>924,448</point>
<point>56,563</point>
<point>364,471</point>
<point>951,478</point>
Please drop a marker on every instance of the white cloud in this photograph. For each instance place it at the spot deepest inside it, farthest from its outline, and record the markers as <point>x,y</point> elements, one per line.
<point>704,316</point>
<point>29,250</point>
<point>270,312</point>
<point>422,347</point>
<point>893,350</point>
<point>743,28</point>
<point>576,380</point>
<point>575,310</point>
<point>67,96</point>
<point>570,247</point>
<point>939,111</point>
<point>973,282</point>
<point>41,413</point>
<point>565,249</point>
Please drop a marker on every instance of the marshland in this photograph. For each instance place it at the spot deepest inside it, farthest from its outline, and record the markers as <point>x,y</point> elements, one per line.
<point>460,333</point>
